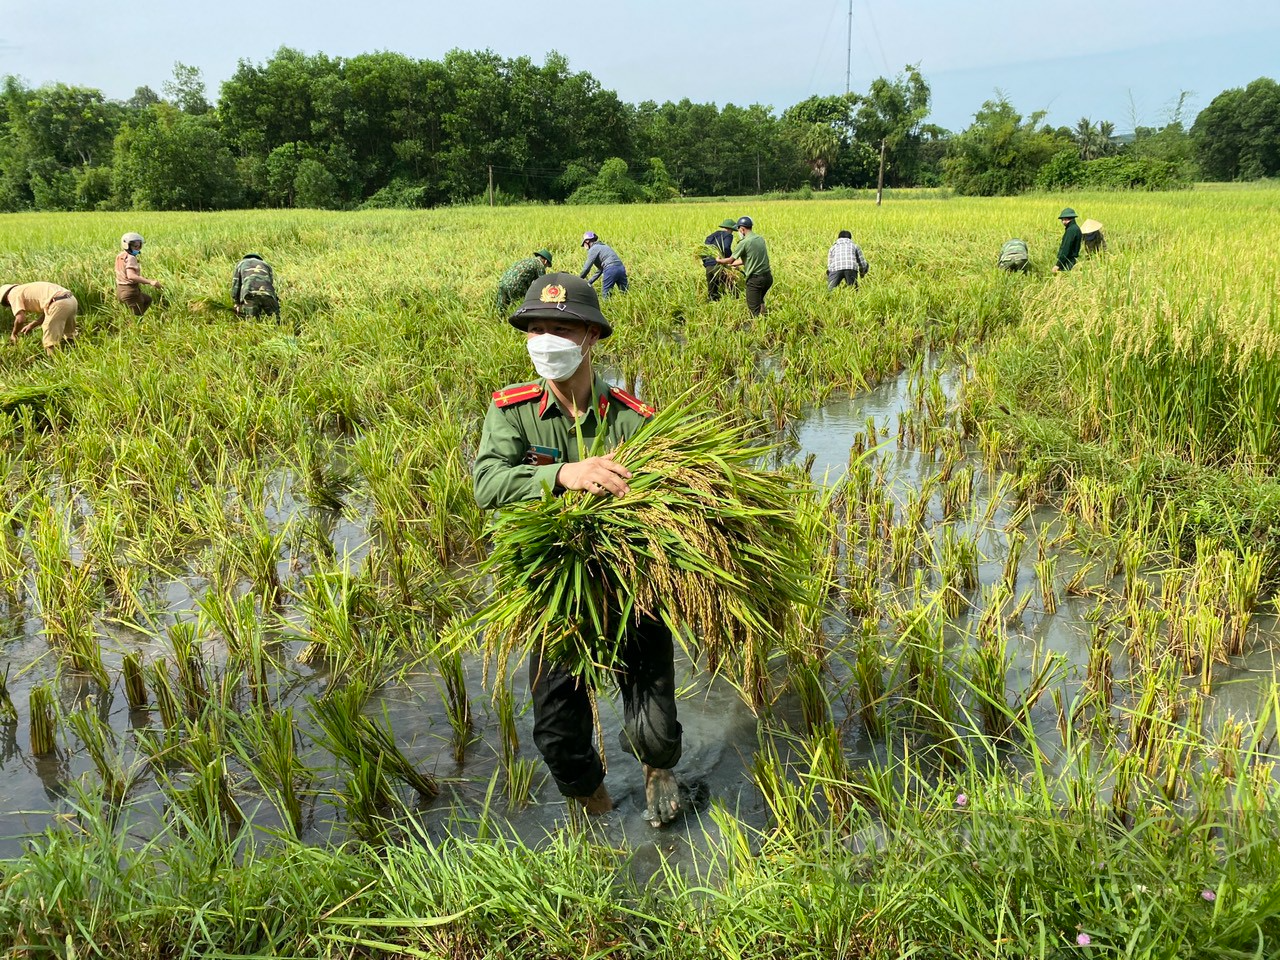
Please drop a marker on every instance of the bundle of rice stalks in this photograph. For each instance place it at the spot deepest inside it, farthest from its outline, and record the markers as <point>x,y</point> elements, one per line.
<point>705,541</point>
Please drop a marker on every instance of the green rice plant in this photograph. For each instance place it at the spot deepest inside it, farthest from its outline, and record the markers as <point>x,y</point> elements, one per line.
<point>43,719</point>
<point>451,678</point>
<point>135,685</point>
<point>704,540</point>
<point>830,771</point>
<point>806,680</point>
<point>1045,570</point>
<point>789,803</point>
<point>1012,560</point>
<point>8,712</point>
<point>366,745</point>
<point>167,700</point>
<point>266,743</point>
<point>188,658</point>
<point>100,744</point>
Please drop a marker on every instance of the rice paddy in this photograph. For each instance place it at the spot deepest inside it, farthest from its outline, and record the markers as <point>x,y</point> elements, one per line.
<point>1029,696</point>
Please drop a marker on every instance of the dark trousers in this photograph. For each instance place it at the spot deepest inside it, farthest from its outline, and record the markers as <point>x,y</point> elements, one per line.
<point>837,277</point>
<point>562,723</point>
<point>757,285</point>
<point>718,282</point>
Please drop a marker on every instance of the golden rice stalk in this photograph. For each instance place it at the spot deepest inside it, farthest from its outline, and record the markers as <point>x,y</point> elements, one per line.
<point>705,541</point>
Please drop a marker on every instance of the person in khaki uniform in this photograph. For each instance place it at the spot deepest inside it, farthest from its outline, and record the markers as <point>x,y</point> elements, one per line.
<point>32,301</point>
<point>129,278</point>
<point>530,449</point>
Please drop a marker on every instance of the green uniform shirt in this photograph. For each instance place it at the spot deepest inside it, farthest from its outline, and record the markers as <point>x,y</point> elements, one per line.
<point>527,436</point>
<point>515,280</point>
<point>753,254</point>
<point>1069,249</point>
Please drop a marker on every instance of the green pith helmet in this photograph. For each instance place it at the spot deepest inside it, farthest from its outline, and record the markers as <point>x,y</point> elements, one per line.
<point>1067,214</point>
<point>252,256</point>
<point>544,255</point>
<point>557,296</point>
<point>728,224</point>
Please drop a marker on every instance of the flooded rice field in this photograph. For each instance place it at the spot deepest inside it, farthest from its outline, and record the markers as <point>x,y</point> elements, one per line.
<point>1065,585</point>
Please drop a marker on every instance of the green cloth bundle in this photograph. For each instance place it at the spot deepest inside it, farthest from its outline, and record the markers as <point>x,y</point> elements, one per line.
<point>705,541</point>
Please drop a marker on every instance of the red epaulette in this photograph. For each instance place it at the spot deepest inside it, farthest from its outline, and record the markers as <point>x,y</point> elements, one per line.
<point>520,393</point>
<point>639,406</point>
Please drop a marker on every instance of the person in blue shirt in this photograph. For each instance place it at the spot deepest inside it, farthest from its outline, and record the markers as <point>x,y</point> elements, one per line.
<point>609,268</point>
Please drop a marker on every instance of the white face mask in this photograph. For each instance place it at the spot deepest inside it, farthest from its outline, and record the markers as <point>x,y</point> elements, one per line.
<point>555,358</point>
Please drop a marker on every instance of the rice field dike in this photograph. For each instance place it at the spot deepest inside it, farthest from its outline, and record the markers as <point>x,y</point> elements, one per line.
<point>1009,692</point>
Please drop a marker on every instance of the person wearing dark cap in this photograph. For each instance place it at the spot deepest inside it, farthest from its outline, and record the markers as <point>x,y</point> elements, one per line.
<point>720,244</point>
<point>1069,249</point>
<point>253,288</point>
<point>610,270</point>
<point>752,256</point>
<point>532,447</point>
<point>516,278</point>
<point>845,262</point>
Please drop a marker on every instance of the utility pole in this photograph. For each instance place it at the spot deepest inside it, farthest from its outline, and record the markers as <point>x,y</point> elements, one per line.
<point>757,172</point>
<point>848,51</point>
<point>880,182</point>
<point>491,182</point>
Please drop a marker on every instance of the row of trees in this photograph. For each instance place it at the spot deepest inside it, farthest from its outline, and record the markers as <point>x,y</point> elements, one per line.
<point>383,129</point>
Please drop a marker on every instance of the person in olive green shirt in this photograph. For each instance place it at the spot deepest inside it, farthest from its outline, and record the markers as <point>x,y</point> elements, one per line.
<point>530,448</point>
<point>752,256</point>
<point>1069,249</point>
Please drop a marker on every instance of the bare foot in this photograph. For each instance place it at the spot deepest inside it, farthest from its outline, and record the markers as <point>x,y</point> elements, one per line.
<point>662,794</point>
<point>599,802</point>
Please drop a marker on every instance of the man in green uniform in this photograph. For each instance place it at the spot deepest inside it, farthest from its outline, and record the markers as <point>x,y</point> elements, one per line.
<point>534,442</point>
<point>253,287</point>
<point>753,257</point>
<point>516,278</point>
<point>1069,249</point>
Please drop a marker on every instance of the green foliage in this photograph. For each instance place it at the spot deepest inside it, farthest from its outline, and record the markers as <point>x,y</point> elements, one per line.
<point>1066,169</point>
<point>1236,136</point>
<point>612,184</point>
<point>169,160</point>
<point>1000,153</point>
<point>1126,171</point>
<point>314,186</point>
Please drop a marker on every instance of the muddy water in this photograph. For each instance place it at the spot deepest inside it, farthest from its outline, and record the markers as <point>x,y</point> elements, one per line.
<point>721,734</point>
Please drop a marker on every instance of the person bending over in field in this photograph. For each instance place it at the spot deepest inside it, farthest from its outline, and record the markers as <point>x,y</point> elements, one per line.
<point>719,279</point>
<point>1014,256</point>
<point>610,270</point>
<point>32,301</point>
<point>516,278</point>
<point>129,278</point>
<point>845,262</point>
<point>529,449</point>
<point>253,288</point>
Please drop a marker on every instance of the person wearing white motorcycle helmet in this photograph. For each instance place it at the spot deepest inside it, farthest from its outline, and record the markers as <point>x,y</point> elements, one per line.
<point>129,278</point>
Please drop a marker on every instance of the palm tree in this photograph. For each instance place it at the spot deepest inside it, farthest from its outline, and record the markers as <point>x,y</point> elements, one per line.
<point>1106,138</point>
<point>820,144</point>
<point>1086,138</point>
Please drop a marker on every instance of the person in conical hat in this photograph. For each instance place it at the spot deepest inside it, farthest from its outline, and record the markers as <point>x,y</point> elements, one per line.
<point>1094,241</point>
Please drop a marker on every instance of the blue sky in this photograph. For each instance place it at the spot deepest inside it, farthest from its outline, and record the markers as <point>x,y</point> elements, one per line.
<point>1118,60</point>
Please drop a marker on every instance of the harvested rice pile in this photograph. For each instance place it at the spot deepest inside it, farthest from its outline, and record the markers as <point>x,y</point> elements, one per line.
<point>705,540</point>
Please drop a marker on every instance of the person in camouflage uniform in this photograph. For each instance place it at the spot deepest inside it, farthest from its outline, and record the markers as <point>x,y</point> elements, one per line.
<point>516,279</point>
<point>253,288</point>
